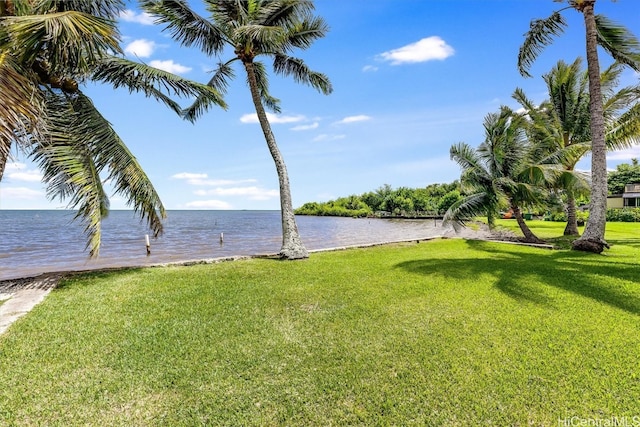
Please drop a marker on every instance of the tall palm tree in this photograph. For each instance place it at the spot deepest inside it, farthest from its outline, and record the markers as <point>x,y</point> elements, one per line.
<point>561,123</point>
<point>505,171</point>
<point>625,48</point>
<point>48,49</point>
<point>252,29</point>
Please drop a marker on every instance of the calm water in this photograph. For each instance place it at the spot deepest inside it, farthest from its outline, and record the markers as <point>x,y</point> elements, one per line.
<point>34,242</point>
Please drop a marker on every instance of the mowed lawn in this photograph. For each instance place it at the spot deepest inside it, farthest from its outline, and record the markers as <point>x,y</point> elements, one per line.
<point>439,333</point>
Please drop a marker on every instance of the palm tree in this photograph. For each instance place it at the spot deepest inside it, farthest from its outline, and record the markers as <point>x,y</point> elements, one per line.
<point>48,49</point>
<point>624,47</point>
<point>561,123</point>
<point>503,172</point>
<point>252,29</point>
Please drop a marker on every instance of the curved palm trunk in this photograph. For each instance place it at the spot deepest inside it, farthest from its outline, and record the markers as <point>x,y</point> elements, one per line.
<point>529,237</point>
<point>292,247</point>
<point>593,238</point>
<point>572,221</point>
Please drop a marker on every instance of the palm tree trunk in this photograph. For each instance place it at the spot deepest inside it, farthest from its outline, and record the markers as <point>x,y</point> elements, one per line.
<point>3,160</point>
<point>592,239</point>
<point>292,246</point>
<point>572,221</point>
<point>529,237</point>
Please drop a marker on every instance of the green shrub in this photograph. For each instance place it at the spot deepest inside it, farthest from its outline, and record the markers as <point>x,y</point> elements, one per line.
<point>623,215</point>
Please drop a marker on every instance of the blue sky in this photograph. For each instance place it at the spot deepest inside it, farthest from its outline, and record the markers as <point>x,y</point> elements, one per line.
<point>410,78</point>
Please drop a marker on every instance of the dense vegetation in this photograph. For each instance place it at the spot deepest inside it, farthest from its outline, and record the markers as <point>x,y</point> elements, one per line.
<point>624,174</point>
<point>434,199</point>
<point>449,332</point>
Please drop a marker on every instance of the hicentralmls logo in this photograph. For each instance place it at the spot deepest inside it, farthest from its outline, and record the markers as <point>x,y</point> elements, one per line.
<point>600,422</point>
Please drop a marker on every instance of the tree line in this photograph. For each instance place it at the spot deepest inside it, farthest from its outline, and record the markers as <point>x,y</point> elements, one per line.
<point>434,199</point>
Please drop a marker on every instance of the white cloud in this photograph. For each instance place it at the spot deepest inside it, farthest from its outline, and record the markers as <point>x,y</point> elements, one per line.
<point>427,49</point>
<point>188,176</point>
<point>628,154</point>
<point>140,18</point>
<point>369,68</point>
<point>306,127</point>
<point>209,204</point>
<point>273,119</point>
<point>18,172</point>
<point>253,192</point>
<point>326,137</point>
<point>141,48</point>
<point>353,119</point>
<point>22,193</point>
<point>170,66</point>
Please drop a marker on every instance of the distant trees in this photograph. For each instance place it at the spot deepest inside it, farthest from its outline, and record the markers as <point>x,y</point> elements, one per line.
<point>248,31</point>
<point>403,201</point>
<point>624,174</point>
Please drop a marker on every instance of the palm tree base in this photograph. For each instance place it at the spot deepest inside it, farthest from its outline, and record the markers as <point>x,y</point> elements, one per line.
<point>595,246</point>
<point>293,253</point>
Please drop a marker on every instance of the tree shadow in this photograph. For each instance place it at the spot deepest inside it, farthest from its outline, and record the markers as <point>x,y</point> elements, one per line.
<point>560,269</point>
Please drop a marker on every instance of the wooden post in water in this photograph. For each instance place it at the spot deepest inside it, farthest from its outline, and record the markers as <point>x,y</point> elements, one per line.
<point>148,244</point>
<point>221,238</point>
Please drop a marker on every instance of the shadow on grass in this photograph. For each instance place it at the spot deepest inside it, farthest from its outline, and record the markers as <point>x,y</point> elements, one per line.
<point>571,271</point>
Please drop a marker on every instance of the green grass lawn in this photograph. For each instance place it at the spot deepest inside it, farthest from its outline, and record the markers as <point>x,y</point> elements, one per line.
<point>447,332</point>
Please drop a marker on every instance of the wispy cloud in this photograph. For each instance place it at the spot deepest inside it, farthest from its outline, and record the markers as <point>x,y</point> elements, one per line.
<point>141,48</point>
<point>327,137</point>
<point>143,18</point>
<point>427,49</point>
<point>369,68</point>
<point>209,204</point>
<point>353,119</point>
<point>628,154</point>
<point>311,126</point>
<point>22,193</point>
<point>170,66</point>
<point>19,172</point>
<point>273,119</point>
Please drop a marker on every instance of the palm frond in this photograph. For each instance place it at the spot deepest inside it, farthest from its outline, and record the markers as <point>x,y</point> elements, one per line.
<point>259,38</point>
<point>81,40</point>
<point>155,83</point>
<point>220,82</point>
<point>104,8</point>
<point>465,156</point>
<point>296,68</point>
<point>304,33</point>
<point>541,33</point>
<point>625,131</point>
<point>21,106</point>
<point>124,171</point>
<point>69,169</point>
<point>186,26</point>
<point>466,209</point>
<point>618,41</point>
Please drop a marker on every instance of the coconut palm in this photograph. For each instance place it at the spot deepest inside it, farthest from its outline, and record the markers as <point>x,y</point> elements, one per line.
<point>625,48</point>
<point>48,49</point>
<point>561,123</point>
<point>252,29</point>
<point>505,171</point>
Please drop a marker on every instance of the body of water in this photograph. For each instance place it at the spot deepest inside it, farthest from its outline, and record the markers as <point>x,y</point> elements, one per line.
<point>34,242</point>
